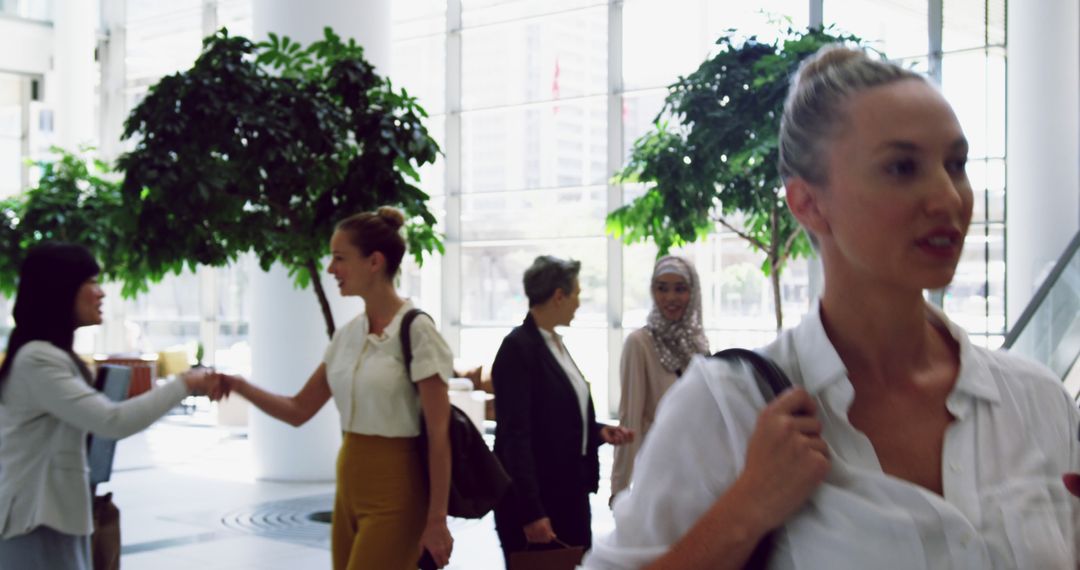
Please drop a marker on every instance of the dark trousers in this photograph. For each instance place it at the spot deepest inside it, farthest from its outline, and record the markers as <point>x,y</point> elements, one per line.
<point>571,520</point>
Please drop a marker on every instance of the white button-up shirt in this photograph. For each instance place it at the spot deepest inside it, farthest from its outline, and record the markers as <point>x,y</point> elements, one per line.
<point>366,373</point>
<point>577,381</point>
<point>1004,504</point>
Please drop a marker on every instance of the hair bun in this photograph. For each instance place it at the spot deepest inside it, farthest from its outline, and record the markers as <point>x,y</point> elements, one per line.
<point>827,58</point>
<point>392,216</point>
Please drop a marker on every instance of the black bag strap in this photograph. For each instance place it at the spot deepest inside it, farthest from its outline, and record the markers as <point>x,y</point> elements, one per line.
<point>406,341</point>
<point>770,379</point>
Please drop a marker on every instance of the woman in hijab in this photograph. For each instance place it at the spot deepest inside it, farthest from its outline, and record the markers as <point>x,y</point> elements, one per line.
<point>657,354</point>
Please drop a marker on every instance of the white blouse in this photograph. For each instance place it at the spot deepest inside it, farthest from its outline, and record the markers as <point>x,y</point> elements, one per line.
<point>577,380</point>
<point>367,377</point>
<point>1004,504</point>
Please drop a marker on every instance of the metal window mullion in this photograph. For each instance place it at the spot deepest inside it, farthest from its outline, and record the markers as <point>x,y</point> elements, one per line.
<point>209,17</point>
<point>615,133</point>
<point>451,264</point>
<point>817,13</point>
<point>935,23</point>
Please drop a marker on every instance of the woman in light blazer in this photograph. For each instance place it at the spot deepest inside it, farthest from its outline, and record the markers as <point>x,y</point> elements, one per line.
<point>47,407</point>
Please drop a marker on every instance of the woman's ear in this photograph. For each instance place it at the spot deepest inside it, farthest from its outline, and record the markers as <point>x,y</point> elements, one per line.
<point>803,200</point>
<point>377,261</point>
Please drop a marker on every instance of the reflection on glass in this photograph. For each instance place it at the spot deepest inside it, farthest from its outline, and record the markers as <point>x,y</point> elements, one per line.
<point>162,38</point>
<point>975,299</point>
<point>485,12</point>
<point>538,146</point>
<point>663,39</point>
<point>898,28</point>
<point>420,68</point>
<point>546,59</point>
<point>972,23</point>
<point>29,9</point>
<point>577,212</point>
<point>491,273</point>
<point>414,18</point>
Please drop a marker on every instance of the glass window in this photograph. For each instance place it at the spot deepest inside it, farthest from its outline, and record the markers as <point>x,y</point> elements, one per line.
<point>663,39</point>
<point>549,145</point>
<point>236,15</point>
<point>976,298</point>
<point>414,18</point>
<point>898,28</point>
<point>491,274</point>
<point>557,57</point>
<point>12,88</point>
<point>476,13</point>
<point>162,38</point>
<point>972,24</point>
<point>558,212</point>
<point>420,68</point>
<point>166,316</point>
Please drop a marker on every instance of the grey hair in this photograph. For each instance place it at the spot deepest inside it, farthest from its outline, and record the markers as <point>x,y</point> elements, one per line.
<point>548,274</point>
<point>814,108</point>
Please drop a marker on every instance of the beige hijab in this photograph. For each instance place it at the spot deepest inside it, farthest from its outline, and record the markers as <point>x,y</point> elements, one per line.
<point>677,341</point>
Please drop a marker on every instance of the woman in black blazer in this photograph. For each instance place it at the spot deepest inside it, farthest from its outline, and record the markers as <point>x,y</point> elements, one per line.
<point>546,434</point>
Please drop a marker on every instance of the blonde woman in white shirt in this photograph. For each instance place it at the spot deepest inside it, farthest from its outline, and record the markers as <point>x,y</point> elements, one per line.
<point>385,513</point>
<point>935,453</point>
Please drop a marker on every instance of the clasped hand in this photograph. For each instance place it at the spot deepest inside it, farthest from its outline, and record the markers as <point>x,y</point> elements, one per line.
<point>207,382</point>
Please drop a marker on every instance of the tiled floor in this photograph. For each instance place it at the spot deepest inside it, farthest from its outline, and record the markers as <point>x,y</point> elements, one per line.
<point>187,494</point>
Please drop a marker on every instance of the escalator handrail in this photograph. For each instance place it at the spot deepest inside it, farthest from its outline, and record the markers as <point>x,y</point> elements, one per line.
<point>1042,293</point>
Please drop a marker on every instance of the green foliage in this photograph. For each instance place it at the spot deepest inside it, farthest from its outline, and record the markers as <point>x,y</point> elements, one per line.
<point>75,200</point>
<point>713,152</point>
<point>264,147</point>
<point>720,158</point>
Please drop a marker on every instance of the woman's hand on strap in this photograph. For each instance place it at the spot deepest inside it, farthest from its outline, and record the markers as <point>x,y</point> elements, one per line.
<point>786,458</point>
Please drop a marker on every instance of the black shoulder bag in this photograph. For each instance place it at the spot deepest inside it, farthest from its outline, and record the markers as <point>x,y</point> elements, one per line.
<point>771,381</point>
<point>477,478</point>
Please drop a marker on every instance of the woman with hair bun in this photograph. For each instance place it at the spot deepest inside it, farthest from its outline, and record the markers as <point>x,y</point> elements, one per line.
<point>385,512</point>
<point>902,444</point>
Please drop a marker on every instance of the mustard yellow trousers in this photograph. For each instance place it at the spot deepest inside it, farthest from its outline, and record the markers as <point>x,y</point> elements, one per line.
<point>381,504</point>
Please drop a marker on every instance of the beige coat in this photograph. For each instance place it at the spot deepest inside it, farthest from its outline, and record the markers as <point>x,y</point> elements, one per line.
<point>644,380</point>
<point>46,410</point>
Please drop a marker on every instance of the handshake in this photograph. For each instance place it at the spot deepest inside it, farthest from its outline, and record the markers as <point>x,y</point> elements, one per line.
<point>210,382</point>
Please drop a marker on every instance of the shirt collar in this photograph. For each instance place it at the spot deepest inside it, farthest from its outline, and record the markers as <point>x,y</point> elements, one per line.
<point>821,367</point>
<point>394,326</point>
<point>549,336</point>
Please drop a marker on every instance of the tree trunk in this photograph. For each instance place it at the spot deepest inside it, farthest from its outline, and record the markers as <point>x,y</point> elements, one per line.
<point>313,274</point>
<point>776,249</point>
<point>774,276</point>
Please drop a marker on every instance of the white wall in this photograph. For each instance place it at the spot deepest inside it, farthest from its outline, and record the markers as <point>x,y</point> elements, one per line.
<point>25,46</point>
<point>1043,192</point>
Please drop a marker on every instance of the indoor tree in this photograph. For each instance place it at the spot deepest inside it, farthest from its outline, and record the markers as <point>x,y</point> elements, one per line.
<point>263,147</point>
<point>712,154</point>
<point>76,199</point>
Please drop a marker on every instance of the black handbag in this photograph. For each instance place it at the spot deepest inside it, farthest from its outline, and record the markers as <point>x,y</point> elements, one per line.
<point>771,381</point>
<point>477,478</point>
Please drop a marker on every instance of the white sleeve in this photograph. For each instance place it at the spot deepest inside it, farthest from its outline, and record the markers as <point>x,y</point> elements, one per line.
<point>55,389</point>
<point>685,464</point>
<point>430,354</point>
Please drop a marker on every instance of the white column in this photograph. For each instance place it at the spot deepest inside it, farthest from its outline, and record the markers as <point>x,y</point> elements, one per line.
<point>288,336</point>
<point>615,133</point>
<point>1043,192</point>
<point>71,91</point>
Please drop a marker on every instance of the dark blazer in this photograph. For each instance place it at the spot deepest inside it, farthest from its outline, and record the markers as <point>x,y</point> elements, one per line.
<point>538,427</point>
